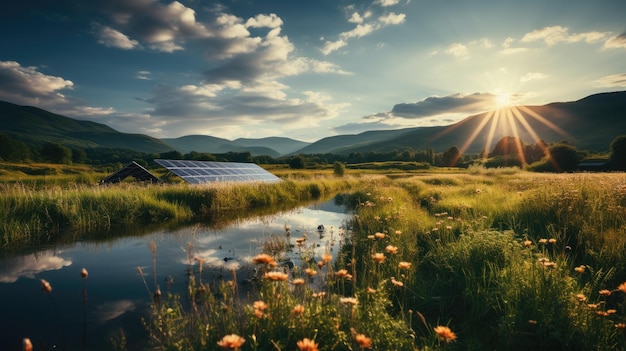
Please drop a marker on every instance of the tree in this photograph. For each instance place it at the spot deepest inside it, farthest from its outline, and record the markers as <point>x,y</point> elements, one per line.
<point>564,158</point>
<point>450,157</point>
<point>618,153</point>
<point>297,162</point>
<point>56,153</point>
<point>339,169</point>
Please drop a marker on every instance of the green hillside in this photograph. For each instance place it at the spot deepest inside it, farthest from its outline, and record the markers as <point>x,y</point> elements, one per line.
<point>37,126</point>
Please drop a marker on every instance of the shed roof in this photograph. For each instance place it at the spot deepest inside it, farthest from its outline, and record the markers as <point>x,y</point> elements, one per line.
<point>132,169</point>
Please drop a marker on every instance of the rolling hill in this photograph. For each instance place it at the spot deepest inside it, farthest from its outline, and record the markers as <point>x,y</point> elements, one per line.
<point>590,124</point>
<point>36,126</point>
<point>272,146</point>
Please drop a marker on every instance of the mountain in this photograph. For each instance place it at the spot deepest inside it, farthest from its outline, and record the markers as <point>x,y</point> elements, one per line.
<point>36,126</point>
<point>590,124</point>
<point>272,146</point>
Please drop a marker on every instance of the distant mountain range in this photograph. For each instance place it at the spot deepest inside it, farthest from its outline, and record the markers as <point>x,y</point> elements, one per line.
<point>589,124</point>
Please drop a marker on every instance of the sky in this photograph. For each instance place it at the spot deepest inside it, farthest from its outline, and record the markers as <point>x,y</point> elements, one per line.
<point>305,70</point>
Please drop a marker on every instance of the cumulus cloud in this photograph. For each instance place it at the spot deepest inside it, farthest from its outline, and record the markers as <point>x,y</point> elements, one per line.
<point>364,27</point>
<point>557,34</point>
<point>457,50</point>
<point>110,37</point>
<point>28,86</point>
<point>612,81</point>
<point>616,42</point>
<point>434,105</point>
<point>31,265</point>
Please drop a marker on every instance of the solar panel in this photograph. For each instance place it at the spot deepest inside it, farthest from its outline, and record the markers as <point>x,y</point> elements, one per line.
<point>198,172</point>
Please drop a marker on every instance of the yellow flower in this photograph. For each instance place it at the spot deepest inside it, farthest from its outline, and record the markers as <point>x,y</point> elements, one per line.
<point>391,249</point>
<point>404,265</point>
<point>232,341</point>
<point>363,341</point>
<point>276,276</point>
<point>378,257</point>
<point>398,232</point>
<point>445,334</point>
<point>307,344</point>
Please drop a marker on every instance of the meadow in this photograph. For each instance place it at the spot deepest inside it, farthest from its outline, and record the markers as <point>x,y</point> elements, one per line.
<point>474,260</point>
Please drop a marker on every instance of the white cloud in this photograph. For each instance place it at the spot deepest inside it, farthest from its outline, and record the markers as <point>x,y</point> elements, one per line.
<point>264,21</point>
<point>360,30</point>
<point>457,50</point>
<point>31,265</point>
<point>556,34</point>
<point>143,75</point>
<point>355,18</point>
<point>392,19</point>
<point>512,51</point>
<point>331,46</point>
<point>28,86</point>
<point>110,37</point>
<point>507,42</point>
<point>616,42</point>
<point>612,81</point>
<point>385,3</point>
<point>533,76</point>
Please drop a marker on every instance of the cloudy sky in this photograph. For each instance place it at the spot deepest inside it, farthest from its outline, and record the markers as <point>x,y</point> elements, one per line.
<point>303,69</point>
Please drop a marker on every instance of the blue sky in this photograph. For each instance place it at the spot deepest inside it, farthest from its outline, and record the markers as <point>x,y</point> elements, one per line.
<point>303,69</point>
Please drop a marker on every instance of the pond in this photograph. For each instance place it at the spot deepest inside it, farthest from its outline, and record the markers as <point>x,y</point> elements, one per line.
<point>87,313</point>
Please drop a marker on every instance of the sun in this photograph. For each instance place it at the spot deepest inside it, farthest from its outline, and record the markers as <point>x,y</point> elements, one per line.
<point>503,100</point>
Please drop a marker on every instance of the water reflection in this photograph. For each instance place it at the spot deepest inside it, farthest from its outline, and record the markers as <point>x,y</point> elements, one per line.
<point>115,297</point>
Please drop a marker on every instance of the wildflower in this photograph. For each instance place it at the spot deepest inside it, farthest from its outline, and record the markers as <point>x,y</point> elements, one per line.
<point>581,297</point>
<point>259,314</point>
<point>310,272</point>
<point>580,269</point>
<point>320,264</point>
<point>276,276</point>
<point>527,243</point>
<point>232,342</point>
<point>326,257</point>
<point>259,305</point>
<point>341,273</point>
<point>445,334</point>
<point>27,345</point>
<point>45,286</point>
<point>298,309</point>
<point>363,341</point>
<point>611,311</point>
<point>298,281</point>
<point>404,265</point>
<point>379,235</point>
<point>371,237</point>
<point>307,344</point>
<point>396,282</point>
<point>349,301</point>
<point>622,287</point>
<point>602,314</point>
<point>592,306</point>
<point>319,294</point>
<point>380,258</point>
<point>398,232</point>
<point>620,325</point>
<point>371,290</point>
<point>263,259</point>
<point>391,249</point>
<point>605,292</point>
<point>552,241</point>
<point>478,191</point>
<point>84,273</point>
<point>543,241</point>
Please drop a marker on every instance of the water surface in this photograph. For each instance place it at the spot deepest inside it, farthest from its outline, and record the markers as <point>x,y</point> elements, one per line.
<point>85,314</point>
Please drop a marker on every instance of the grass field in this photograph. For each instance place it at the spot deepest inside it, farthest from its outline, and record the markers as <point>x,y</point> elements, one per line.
<point>476,260</point>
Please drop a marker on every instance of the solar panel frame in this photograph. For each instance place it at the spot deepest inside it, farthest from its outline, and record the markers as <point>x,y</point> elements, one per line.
<point>198,172</point>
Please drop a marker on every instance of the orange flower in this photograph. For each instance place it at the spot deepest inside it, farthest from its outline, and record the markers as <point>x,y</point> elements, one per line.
<point>605,292</point>
<point>341,273</point>
<point>298,281</point>
<point>445,334</point>
<point>232,341</point>
<point>276,276</point>
<point>396,282</point>
<point>622,287</point>
<point>404,265</point>
<point>391,249</point>
<point>298,309</point>
<point>45,286</point>
<point>363,341</point>
<point>379,235</point>
<point>527,243</point>
<point>378,257</point>
<point>349,300</point>
<point>263,259</point>
<point>307,344</point>
<point>259,305</point>
<point>310,272</point>
<point>28,346</point>
<point>326,257</point>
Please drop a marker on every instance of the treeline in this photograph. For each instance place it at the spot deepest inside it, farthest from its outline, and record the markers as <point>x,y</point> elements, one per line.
<point>508,152</point>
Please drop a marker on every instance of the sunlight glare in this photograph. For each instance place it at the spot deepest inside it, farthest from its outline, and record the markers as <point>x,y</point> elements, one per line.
<point>503,100</point>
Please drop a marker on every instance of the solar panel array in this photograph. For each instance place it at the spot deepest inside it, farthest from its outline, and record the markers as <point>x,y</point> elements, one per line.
<point>198,172</point>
